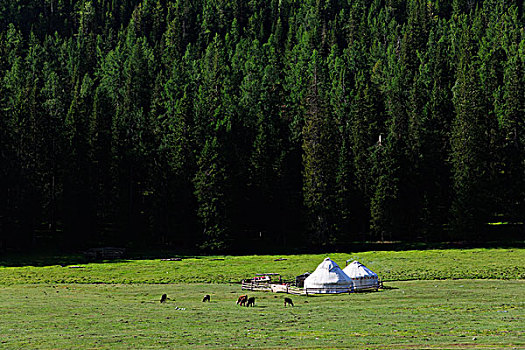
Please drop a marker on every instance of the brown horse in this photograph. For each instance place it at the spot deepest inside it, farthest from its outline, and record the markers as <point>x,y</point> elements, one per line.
<point>242,300</point>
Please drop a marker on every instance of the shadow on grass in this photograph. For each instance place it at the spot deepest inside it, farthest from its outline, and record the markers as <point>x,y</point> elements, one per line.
<point>389,287</point>
<point>404,246</point>
<point>64,260</point>
<point>257,307</point>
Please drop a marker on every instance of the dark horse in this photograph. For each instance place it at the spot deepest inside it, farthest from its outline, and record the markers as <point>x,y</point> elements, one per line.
<point>251,302</point>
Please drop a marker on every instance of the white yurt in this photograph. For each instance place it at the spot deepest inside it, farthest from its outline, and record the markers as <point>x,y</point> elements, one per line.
<point>362,277</point>
<point>327,278</point>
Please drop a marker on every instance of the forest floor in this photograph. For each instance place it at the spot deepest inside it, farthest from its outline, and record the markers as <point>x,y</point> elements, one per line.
<point>432,299</point>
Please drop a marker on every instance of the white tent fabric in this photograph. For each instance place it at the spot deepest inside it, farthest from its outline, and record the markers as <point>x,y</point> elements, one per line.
<point>327,278</point>
<point>361,276</point>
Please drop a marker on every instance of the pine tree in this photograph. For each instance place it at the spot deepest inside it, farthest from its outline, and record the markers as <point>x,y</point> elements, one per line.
<point>339,109</point>
<point>385,193</point>
<point>174,215</point>
<point>79,207</point>
<point>366,125</point>
<point>470,150</point>
<point>320,157</point>
<point>431,113</point>
<point>399,216</point>
<point>512,125</point>
<point>211,192</point>
<point>212,125</point>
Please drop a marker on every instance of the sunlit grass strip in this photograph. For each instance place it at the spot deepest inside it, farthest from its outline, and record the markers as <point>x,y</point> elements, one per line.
<point>390,266</point>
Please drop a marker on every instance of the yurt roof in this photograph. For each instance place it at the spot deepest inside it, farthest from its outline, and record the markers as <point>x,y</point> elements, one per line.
<point>355,269</point>
<point>327,273</point>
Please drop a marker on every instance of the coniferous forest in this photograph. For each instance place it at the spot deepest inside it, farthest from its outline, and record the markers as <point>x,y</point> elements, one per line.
<point>218,124</point>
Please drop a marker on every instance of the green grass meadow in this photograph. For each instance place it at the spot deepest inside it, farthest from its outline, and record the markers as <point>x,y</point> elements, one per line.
<point>437,299</point>
<point>389,265</point>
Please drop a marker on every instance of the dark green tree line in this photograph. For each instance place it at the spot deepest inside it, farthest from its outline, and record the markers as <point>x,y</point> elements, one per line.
<point>225,125</point>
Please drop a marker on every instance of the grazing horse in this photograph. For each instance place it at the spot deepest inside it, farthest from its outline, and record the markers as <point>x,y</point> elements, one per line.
<point>288,301</point>
<point>242,300</point>
<point>251,302</point>
<point>163,298</point>
<point>206,298</point>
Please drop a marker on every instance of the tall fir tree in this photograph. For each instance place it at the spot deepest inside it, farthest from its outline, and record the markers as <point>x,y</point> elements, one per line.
<point>319,157</point>
<point>470,155</point>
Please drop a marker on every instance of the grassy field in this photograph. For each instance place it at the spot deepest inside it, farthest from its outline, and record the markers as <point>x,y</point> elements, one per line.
<point>482,314</point>
<point>436,299</point>
<point>391,266</point>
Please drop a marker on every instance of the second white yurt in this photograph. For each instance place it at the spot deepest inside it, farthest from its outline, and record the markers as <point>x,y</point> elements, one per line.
<point>327,278</point>
<point>362,277</point>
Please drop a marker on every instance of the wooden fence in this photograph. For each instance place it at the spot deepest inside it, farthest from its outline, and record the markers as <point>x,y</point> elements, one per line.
<point>259,287</point>
<point>286,288</point>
